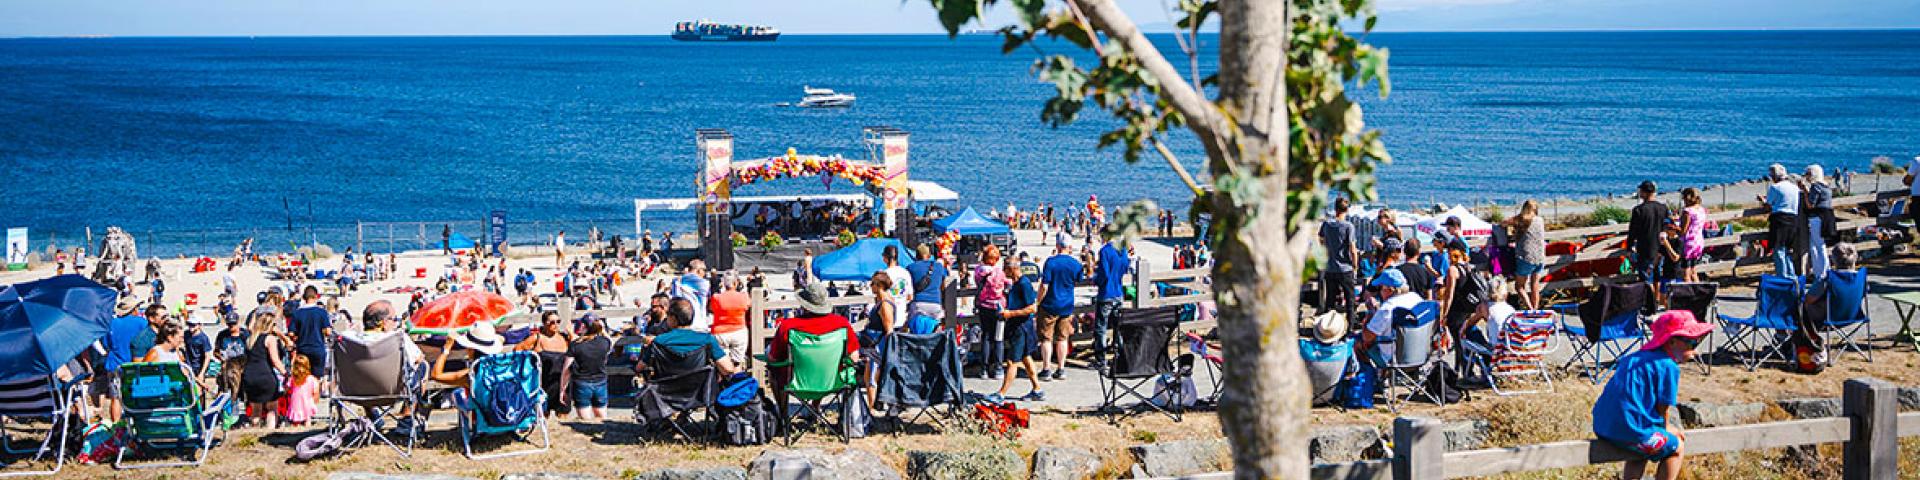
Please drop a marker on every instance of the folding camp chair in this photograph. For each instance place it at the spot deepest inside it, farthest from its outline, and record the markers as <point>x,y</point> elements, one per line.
<point>1199,348</point>
<point>1413,356</point>
<point>821,374</point>
<point>163,411</point>
<point>1698,298</point>
<point>1327,364</point>
<point>1775,309</point>
<point>923,372</point>
<point>677,384</point>
<point>41,398</point>
<point>501,373</point>
<point>1846,297</point>
<point>1520,350</point>
<point>1142,338</point>
<point>1610,323</point>
<point>370,372</point>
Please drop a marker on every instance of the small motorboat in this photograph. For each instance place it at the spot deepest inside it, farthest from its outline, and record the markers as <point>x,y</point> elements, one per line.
<point>823,98</point>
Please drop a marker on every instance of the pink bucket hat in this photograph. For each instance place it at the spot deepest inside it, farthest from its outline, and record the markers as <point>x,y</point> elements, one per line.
<point>1676,323</point>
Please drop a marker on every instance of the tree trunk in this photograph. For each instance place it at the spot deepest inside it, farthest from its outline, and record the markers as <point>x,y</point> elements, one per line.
<point>1259,257</point>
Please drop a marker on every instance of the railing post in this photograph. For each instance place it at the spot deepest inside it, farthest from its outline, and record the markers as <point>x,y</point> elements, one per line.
<point>1419,449</point>
<point>950,302</point>
<point>756,316</point>
<point>1874,450</point>
<point>1142,284</point>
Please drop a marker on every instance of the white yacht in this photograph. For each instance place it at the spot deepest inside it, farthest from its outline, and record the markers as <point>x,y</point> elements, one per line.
<point>821,97</point>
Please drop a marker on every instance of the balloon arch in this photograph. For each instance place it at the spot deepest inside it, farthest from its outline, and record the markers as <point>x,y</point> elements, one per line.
<point>885,177</point>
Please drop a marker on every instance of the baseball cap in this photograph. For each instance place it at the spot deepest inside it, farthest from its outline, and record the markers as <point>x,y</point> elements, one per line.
<point>1390,278</point>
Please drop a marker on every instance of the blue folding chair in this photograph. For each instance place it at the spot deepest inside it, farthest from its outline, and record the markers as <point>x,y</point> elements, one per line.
<point>1776,307</point>
<point>1613,314</point>
<point>1846,293</point>
<point>1327,364</point>
<point>1411,357</point>
<point>483,414</point>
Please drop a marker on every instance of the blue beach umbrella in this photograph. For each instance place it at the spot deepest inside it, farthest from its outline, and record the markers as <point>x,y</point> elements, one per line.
<point>45,323</point>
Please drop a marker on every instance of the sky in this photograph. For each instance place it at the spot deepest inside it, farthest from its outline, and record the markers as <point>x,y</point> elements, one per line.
<point>656,17</point>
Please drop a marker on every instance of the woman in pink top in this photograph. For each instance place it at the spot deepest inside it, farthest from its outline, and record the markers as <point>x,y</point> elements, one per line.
<point>1693,239</point>
<point>987,305</point>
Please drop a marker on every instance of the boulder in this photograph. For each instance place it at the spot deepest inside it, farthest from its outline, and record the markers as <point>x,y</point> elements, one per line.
<point>725,473</point>
<point>1708,415</point>
<point>1811,407</point>
<point>382,476</point>
<point>1342,443</point>
<point>1465,434</point>
<point>977,464</point>
<point>1909,398</point>
<point>804,464</point>
<point>1064,463</point>
<point>1185,457</point>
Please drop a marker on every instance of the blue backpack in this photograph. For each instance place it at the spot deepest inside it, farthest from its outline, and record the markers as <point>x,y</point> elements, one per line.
<point>511,404</point>
<point>1357,393</point>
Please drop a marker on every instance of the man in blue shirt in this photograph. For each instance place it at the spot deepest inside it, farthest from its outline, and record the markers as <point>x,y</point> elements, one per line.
<point>1058,277</point>
<point>1631,412</point>
<point>1110,277</point>
<point>929,276</point>
<point>312,329</point>
<point>683,340</point>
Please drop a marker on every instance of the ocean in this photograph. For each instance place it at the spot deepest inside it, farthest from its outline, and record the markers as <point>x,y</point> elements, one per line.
<point>195,143</point>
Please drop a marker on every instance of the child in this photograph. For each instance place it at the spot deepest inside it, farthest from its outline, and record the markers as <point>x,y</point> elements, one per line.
<point>303,393</point>
<point>1631,412</point>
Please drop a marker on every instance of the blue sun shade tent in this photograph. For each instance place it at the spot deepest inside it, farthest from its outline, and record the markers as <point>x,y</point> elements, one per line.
<point>857,262</point>
<point>459,241</point>
<point>969,222</point>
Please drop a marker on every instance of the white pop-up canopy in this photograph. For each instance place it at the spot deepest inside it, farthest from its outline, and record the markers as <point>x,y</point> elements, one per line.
<point>1471,226</point>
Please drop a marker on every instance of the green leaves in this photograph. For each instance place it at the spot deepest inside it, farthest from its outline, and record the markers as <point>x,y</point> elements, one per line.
<point>1331,150</point>
<point>956,13</point>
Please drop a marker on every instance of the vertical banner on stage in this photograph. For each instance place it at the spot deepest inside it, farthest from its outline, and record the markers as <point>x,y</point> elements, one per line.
<point>17,248</point>
<point>497,230</point>
<point>716,178</point>
<point>894,158</point>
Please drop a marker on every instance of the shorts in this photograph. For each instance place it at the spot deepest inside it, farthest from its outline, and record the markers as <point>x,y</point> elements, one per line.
<point>590,393</point>
<point>933,310</point>
<point>1658,445</point>
<point>735,344</point>
<point>1054,327</point>
<point>1019,341</point>
<point>1526,269</point>
<point>317,361</point>
<point>106,384</point>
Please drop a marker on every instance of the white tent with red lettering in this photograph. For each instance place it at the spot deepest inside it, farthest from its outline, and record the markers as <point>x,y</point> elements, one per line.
<point>1471,226</point>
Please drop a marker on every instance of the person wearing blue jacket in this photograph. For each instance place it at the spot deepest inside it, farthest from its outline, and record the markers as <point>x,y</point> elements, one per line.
<point>1110,277</point>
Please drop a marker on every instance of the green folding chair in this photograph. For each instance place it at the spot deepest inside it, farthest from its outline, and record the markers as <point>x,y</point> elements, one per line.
<point>164,413</point>
<point>822,375</point>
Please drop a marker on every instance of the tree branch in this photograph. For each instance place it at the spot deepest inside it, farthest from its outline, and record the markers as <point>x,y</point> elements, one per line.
<point>1202,116</point>
<point>1174,162</point>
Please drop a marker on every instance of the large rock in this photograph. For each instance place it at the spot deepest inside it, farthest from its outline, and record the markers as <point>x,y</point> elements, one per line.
<point>1064,463</point>
<point>1708,415</point>
<point>1466,434</point>
<point>1342,443</point>
<point>724,473</point>
<point>1909,398</point>
<point>1185,457</point>
<point>1811,407</point>
<point>382,476</point>
<point>977,464</point>
<point>548,476</point>
<point>806,464</point>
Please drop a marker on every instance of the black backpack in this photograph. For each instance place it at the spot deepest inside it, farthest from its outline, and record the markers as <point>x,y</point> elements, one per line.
<point>748,424</point>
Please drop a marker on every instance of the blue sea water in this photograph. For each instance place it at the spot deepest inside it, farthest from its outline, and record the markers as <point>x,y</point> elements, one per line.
<point>199,141</point>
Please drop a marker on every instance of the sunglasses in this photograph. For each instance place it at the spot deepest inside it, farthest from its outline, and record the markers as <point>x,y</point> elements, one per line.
<point>1691,342</point>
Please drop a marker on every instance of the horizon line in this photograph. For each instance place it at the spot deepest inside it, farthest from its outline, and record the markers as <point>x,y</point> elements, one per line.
<point>966,33</point>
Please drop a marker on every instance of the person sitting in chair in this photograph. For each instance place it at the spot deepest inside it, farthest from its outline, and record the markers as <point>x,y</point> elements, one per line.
<point>1393,287</point>
<point>483,341</point>
<point>378,322</point>
<point>816,318</point>
<point>683,340</point>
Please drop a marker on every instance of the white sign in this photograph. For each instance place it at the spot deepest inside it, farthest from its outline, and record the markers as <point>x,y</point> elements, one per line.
<point>17,247</point>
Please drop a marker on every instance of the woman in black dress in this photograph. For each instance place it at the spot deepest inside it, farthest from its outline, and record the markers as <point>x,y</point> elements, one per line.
<point>262,382</point>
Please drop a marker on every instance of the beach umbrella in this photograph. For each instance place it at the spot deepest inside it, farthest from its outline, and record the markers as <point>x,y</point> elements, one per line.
<point>45,323</point>
<point>459,311</point>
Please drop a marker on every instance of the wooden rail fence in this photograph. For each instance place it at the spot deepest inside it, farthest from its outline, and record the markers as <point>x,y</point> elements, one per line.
<point>1869,429</point>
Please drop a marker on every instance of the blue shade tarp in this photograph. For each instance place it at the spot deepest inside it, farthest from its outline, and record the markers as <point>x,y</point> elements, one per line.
<point>459,241</point>
<point>969,222</point>
<point>46,323</point>
<point>857,262</point>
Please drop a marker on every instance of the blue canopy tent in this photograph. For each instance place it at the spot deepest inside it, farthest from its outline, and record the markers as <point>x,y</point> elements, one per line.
<point>46,323</point>
<point>858,261</point>
<point>459,241</point>
<point>969,222</point>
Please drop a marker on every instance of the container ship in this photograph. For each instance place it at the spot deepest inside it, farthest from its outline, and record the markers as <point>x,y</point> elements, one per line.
<point>710,31</point>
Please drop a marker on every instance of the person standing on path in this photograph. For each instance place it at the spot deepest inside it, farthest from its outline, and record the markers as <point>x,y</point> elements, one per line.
<point>729,311</point>
<point>930,277</point>
<point>1059,275</point>
<point>987,306</point>
<point>560,250</point>
<point>1530,243</point>
<point>1110,277</point>
<point>312,332</point>
<point>446,239</point>
<point>1644,229</point>
<point>1783,202</point>
<point>1021,301</point>
<point>1693,235</point>
<point>588,359</point>
<point>1336,282</point>
<point>1818,213</point>
<point>898,291</point>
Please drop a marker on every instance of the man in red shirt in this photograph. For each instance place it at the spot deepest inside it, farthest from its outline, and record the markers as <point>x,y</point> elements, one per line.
<point>816,318</point>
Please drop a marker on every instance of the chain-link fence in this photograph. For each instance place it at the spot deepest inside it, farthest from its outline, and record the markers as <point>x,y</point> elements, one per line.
<point>379,237</point>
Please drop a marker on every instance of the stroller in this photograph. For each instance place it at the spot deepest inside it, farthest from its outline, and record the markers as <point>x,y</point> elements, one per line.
<point>164,411</point>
